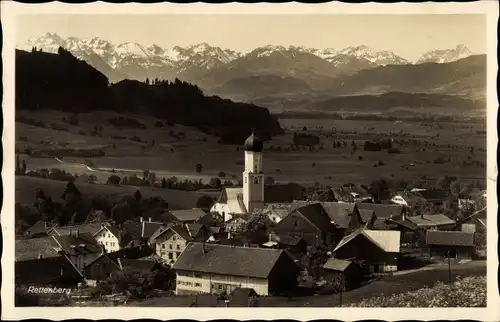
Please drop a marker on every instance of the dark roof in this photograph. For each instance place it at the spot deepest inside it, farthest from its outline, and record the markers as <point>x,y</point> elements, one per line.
<point>342,195</point>
<point>149,228</point>
<point>406,224</point>
<point>39,228</point>
<point>134,229</point>
<point>339,213</point>
<point>281,193</point>
<point>289,240</point>
<point>83,228</point>
<point>194,214</point>
<point>432,194</point>
<point>253,143</point>
<point>83,244</point>
<point>195,229</point>
<point>29,249</point>
<point>337,264</point>
<point>228,260</point>
<point>366,215</point>
<point>431,220</point>
<point>449,238</point>
<point>45,271</point>
<point>382,210</point>
<point>315,214</point>
<point>136,252</point>
<point>229,242</point>
<point>136,264</point>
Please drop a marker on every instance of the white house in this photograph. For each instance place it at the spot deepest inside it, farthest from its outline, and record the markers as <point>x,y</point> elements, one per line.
<point>213,268</point>
<point>109,237</point>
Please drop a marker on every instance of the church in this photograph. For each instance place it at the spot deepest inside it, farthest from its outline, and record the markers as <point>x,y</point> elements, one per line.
<point>251,197</point>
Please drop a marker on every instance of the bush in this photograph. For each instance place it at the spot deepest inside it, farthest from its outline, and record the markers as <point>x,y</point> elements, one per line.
<point>204,202</point>
<point>464,292</point>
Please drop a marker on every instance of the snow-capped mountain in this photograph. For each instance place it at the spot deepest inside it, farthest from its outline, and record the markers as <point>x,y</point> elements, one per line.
<point>196,62</point>
<point>445,55</point>
<point>380,58</point>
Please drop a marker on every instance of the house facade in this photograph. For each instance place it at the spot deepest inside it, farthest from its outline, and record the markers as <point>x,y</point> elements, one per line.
<point>216,269</point>
<point>109,238</point>
<point>452,244</point>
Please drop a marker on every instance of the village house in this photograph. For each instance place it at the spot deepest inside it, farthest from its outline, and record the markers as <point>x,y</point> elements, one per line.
<point>453,244</point>
<point>433,196</point>
<point>186,216</point>
<point>49,271</point>
<point>79,249</point>
<point>39,229</point>
<point>377,251</point>
<point>319,222</point>
<point>352,193</point>
<point>109,263</point>
<point>110,238</point>
<point>438,221</point>
<point>406,198</point>
<point>170,243</point>
<point>143,230</point>
<point>346,272</point>
<point>69,230</point>
<point>216,269</point>
<point>237,223</point>
<point>275,212</point>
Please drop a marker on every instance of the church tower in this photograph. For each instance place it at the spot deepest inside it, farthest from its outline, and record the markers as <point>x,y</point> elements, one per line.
<point>253,176</point>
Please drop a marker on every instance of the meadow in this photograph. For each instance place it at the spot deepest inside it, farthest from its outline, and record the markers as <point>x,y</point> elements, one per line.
<point>173,150</point>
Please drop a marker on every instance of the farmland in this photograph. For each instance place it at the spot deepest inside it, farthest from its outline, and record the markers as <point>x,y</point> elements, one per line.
<point>173,150</point>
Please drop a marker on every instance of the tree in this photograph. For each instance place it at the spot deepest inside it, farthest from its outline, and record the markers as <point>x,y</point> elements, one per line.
<point>257,227</point>
<point>95,217</point>
<point>379,189</point>
<point>269,181</point>
<point>222,174</point>
<point>121,212</point>
<point>138,197</point>
<point>163,183</point>
<point>147,80</point>
<point>215,183</point>
<point>316,257</point>
<point>204,202</point>
<point>113,179</point>
<point>199,168</point>
<point>455,188</point>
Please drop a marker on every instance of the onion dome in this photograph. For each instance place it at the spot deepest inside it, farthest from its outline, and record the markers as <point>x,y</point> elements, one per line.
<point>253,143</point>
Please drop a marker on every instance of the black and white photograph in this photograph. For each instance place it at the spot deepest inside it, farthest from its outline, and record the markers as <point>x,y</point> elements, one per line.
<point>249,160</point>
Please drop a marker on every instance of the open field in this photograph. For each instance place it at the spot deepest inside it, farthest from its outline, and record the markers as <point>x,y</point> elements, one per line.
<point>177,199</point>
<point>172,157</point>
<point>385,286</point>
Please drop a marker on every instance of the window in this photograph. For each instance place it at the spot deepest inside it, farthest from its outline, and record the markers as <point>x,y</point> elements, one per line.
<point>197,275</point>
<point>178,247</point>
<point>170,255</point>
<point>256,180</point>
<point>106,243</point>
<point>170,246</point>
<point>174,237</point>
<point>197,284</point>
<point>163,246</point>
<point>246,179</point>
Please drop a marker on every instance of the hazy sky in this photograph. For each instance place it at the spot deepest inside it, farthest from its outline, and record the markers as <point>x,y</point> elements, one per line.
<point>407,35</point>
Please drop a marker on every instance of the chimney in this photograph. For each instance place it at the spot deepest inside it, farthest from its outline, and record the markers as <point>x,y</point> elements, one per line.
<point>270,237</point>
<point>77,234</point>
<point>140,219</point>
<point>149,219</point>
<point>46,225</point>
<point>40,256</point>
<point>403,215</point>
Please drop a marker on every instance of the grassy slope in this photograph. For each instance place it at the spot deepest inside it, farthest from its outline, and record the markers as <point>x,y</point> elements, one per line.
<point>26,190</point>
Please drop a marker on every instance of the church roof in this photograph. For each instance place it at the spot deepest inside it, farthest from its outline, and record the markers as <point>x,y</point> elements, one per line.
<point>253,143</point>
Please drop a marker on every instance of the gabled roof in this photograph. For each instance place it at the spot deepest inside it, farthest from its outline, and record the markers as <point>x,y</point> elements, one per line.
<point>39,227</point>
<point>45,271</point>
<point>386,240</point>
<point>75,245</point>
<point>183,215</point>
<point>339,213</point>
<point>342,195</point>
<point>33,248</point>
<point>432,194</point>
<point>150,228</point>
<point>136,252</point>
<point>317,216</point>
<point>449,238</point>
<point>335,264</point>
<point>431,220</point>
<point>83,228</point>
<point>134,229</point>
<point>289,240</point>
<point>180,230</point>
<point>366,215</point>
<point>136,264</point>
<point>112,229</point>
<point>382,210</point>
<point>228,260</point>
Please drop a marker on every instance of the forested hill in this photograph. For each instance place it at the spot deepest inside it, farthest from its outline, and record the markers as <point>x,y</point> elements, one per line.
<point>62,82</point>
